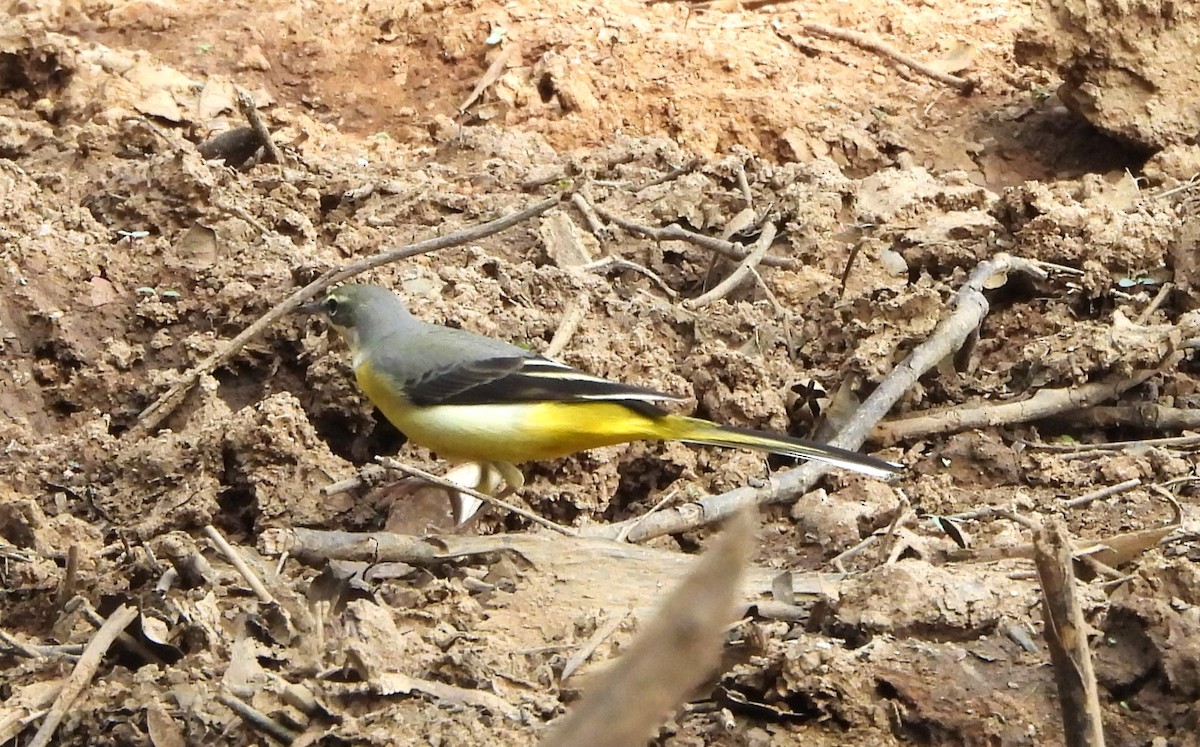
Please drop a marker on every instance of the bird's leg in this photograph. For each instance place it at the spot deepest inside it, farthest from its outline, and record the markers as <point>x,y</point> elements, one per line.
<point>514,480</point>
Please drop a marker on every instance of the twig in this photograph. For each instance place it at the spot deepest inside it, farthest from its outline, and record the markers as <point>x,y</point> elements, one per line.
<point>368,474</point>
<point>36,651</point>
<point>490,76</point>
<point>740,273</point>
<point>1158,300</point>
<point>1044,403</point>
<point>871,44</point>
<point>969,307</point>
<point>674,232</point>
<point>250,112</point>
<point>624,534</point>
<point>577,309</point>
<point>257,718</point>
<point>1066,636</point>
<point>165,404</point>
<point>584,206</point>
<point>490,500</point>
<point>1105,492</point>
<point>614,261</point>
<point>744,184</point>
<point>671,175</point>
<point>234,557</point>
<point>600,635</point>
<point>1148,415</point>
<point>70,575</point>
<point>85,670</point>
<point>1168,442</point>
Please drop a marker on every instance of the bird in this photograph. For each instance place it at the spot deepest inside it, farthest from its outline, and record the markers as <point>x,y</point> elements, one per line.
<point>472,398</point>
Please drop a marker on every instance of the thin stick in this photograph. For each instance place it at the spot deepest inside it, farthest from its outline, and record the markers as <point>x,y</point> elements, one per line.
<point>577,309</point>
<point>1177,441</point>
<point>70,576</point>
<point>368,474</point>
<point>744,184</point>
<point>871,44</point>
<point>671,175</point>
<point>257,718</point>
<point>614,261</point>
<point>250,112</point>
<point>490,500</point>
<point>969,307</point>
<point>234,557</point>
<point>1158,301</point>
<point>674,232</point>
<point>1066,636</point>
<point>581,203</point>
<point>600,635</point>
<point>1105,492</point>
<point>166,404</point>
<point>1043,404</point>
<point>85,670</point>
<point>624,534</point>
<point>740,273</point>
<point>490,76</point>
<point>128,642</point>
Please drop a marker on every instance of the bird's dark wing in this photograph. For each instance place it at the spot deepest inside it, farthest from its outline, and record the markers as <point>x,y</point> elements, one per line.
<point>512,379</point>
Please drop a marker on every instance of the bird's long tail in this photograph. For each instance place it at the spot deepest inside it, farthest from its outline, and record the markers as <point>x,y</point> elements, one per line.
<point>697,431</point>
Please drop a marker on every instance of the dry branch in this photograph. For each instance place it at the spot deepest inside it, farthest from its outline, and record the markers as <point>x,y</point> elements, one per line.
<point>673,232</point>
<point>1066,636</point>
<point>165,404</point>
<point>85,670</point>
<point>881,48</point>
<point>1148,415</point>
<point>234,557</point>
<point>1044,403</point>
<point>969,308</point>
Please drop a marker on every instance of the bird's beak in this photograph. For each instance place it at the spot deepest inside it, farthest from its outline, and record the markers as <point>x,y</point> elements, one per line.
<point>312,307</point>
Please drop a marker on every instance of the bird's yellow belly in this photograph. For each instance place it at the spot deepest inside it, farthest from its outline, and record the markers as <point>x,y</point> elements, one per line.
<point>511,433</point>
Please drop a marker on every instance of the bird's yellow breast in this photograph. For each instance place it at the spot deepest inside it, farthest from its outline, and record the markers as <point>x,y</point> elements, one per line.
<point>507,432</point>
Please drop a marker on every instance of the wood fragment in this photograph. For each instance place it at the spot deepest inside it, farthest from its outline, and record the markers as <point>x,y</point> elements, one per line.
<point>1106,492</point>
<point>1066,635</point>
<point>234,557</point>
<point>572,317</point>
<point>152,416</point>
<point>85,669</point>
<point>250,112</point>
<point>257,718</point>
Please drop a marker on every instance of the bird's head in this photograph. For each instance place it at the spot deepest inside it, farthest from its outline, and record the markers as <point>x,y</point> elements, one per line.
<point>361,312</point>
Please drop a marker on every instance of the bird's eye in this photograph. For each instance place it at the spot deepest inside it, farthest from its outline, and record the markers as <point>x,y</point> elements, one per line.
<point>331,306</point>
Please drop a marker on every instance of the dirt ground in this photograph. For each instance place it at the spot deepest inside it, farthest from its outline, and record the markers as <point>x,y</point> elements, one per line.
<point>136,241</point>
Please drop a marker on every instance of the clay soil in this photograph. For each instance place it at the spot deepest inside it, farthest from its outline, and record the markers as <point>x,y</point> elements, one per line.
<point>134,245</point>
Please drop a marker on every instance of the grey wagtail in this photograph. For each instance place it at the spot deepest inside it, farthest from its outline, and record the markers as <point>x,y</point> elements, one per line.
<point>472,398</point>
